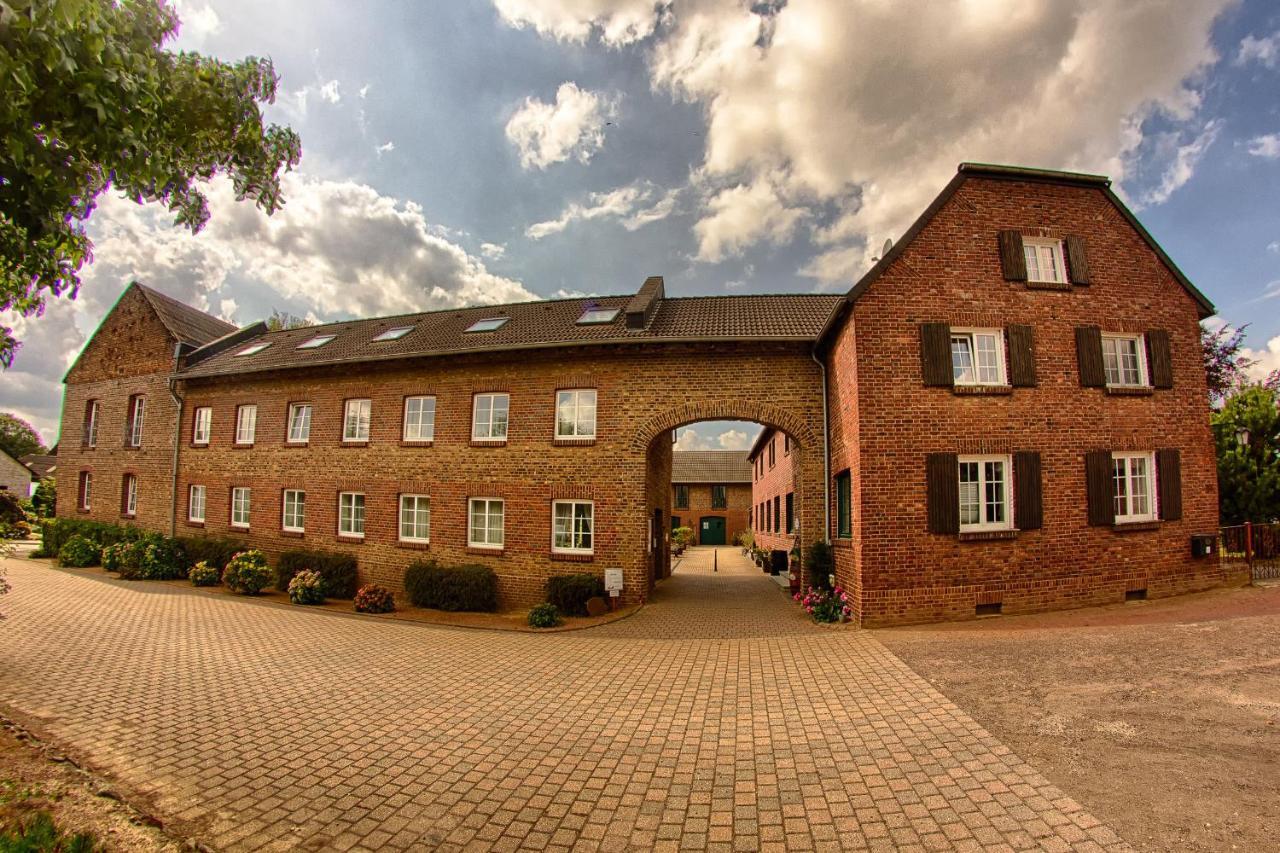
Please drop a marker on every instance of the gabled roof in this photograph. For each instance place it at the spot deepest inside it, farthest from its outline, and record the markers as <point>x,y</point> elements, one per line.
<point>187,325</point>
<point>41,464</point>
<point>759,443</point>
<point>710,466</point>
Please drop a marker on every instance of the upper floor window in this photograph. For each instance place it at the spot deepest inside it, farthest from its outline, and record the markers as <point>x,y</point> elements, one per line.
<point>355,420</point>
<point>682,496</point>
<point>85,495</point>
<point>977,357</point>
<point>1124,360</point>
<point>351,514</point>
<point>419,418</point>
<point>1044,260</point>
<point>294,517</point>
<point>246,423</point>
<point>415,518</point>
<point>137,414</point>
<point>571,526</point>
<point>489,417</point>
<point>299,423</point>
<point>484,527</point>
<point>240,499</point>
<point>1133,479</point>
<point>576,413</point>
<point>202,425</point>
<point>985,493</point>
<point>773,448</point>
<point>130,502</point>
<point>91,424</point>
<point>719,497</point>
<point>196,504</point>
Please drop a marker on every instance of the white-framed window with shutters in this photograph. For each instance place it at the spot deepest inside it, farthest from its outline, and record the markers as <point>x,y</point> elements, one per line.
<point>131,494</point>
<point>576,413</point>
<point>91,424</point>
<point>240,501</point>
<point>977,357</point>
<point>202,424</point>
<point>294,517</point>
<point>246,423</point>
<point>355,420</point>
<point>986,493</point>
<point>196,504</point>
<point>415,518</point>
<point>351,514</point>
<point>1124,360</point>
<point>299,423</point>
<point>485,522</point>
<point>137,417</point>
<point>1044,260</point>
<point>419,418</point>
<point>489,417</point>
<point>572,527</point>
<point>1133,477</point>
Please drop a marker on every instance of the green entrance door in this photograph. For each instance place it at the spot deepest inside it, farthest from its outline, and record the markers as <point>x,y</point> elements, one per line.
<point>712,532</point>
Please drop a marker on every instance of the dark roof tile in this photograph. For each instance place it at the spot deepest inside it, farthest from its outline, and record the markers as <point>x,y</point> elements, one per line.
<point>710,466</point>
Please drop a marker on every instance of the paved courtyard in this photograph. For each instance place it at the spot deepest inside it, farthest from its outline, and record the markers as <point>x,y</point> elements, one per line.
<point>716,718</point>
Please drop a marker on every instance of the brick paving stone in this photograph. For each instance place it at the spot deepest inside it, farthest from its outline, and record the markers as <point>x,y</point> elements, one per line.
<point>718,717</point>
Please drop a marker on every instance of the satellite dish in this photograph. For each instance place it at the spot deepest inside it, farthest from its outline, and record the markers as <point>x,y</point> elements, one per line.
<point>888,244</point>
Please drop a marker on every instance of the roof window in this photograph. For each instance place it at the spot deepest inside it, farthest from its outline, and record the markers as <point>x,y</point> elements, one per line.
<point>254,349</point>
<point>595,316</point>
<point>394,334</point>
<point>489,324</point>
<point>316,342</point>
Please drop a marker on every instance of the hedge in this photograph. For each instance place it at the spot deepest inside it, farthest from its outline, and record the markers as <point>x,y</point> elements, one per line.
<point>338,571</point>
<point>429,584</point>
<point>56,531</point>
<point>217,551</point>
<point>569,593</point>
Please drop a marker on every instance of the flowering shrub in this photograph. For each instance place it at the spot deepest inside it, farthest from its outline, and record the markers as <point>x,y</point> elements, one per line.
<point>113,556</point>
<point>374,599</point>
<point>162,560</point>
<point>825,605</point>
<point>545,615</point>
<point>203,574</point>
<point>128,558</point>
<point>306,587</point>
<point>247,573</point>
<point>78,552</point>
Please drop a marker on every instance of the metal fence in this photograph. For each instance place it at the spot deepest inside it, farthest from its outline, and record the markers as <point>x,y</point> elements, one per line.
<point>1258,545</point>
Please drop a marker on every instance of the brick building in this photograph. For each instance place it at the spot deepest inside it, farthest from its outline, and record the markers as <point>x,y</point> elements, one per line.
<point>773,487</point>
<point>711,494</point>
<point>15,477</point>
<point>1008,412</point>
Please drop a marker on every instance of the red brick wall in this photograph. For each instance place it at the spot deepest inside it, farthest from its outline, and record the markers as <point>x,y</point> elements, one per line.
<point>777,481</point>
<point>843,417</point>
<point>738,498</point>
<point>951,273</point>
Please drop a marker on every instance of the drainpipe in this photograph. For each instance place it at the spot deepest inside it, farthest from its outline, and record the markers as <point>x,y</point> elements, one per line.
<point>177,444</point>
<point>826,453</point>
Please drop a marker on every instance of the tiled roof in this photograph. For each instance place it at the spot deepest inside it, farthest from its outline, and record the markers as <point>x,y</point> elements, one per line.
<point>41,464</point>
<point>189,325</point>
<point>531,325</point>
<point>710,466</point>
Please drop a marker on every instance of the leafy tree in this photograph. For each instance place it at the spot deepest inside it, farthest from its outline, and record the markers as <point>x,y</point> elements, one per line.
<point>280,320</point>
<point>93,102</point>
<point>17,437</point>
<point>45,498</point>
<point>1247,434</point>
<point>1226,367</point>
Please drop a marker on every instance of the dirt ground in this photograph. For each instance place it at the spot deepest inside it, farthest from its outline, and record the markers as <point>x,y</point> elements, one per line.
<point>34,778</point>
<point>1160,717</point>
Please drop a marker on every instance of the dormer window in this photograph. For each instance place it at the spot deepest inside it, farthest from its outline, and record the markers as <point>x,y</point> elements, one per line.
<point>394,334</point>
<point>598,316</point>
<point>489,324</point>
<point>316,342</point>
<point>253,349</point>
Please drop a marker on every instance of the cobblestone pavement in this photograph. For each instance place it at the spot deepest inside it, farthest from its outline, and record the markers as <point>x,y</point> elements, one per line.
<point>252,726</point>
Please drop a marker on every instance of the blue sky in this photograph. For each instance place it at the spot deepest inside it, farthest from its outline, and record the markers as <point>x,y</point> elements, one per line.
<point>472,152</point>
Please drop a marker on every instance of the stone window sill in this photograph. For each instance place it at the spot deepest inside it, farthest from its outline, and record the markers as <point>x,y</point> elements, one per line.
<point>417,442</point>
<point>1126,391</point>
<point>1049,285</point>
<point>558,557</point>
<point>987,535</point>
<point>485,552</point>
<point>982,390</point>
<point>573,442</point>
<point>1134,526</point>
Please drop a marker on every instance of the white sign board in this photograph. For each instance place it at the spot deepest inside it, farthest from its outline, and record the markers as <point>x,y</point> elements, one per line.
<point>613,582</point>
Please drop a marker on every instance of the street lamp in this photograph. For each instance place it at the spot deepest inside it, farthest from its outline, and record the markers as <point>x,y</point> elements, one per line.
<point>1242,436</point>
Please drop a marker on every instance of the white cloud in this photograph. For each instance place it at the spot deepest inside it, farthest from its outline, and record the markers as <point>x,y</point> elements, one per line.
<point>1265,51</point>
<point>618,22</point>
<point>1274,246</point>
<point>729,439</point>
<point>198,23</point>
<point>624,203</point>
<point>1184,162</point>
<point>1267,359</point>
<point>227,309</point>
<point>385,148</point>
<point>1266,146</point>
<point>742,215</point>
<point>493,251</point>
<point>734,439</point>
<point>364,90</point>
<point>687,439</point>
<point>329,92</point>
<point>573,126</point>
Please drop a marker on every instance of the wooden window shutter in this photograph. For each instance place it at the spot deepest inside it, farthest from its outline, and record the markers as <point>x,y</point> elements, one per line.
<point>1089,356</point>
<point>1013,263</point>
<point>942,480</point>
<point>1028,508</point>
<point>1169,483</point>
<point>1099,488</point>
<point>1077,260</point>
<point>1159,358</point>
<point>935,354</point>
<point>1022,356</point>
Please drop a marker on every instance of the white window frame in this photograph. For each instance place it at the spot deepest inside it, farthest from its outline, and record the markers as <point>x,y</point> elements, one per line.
<point>488,542</point>
<point>418,502</point>
<point>237,503</point>
<point>193,503</point>
<point>1147,478</point>
<point>574,397</point>
<point>573,526</point>
<point>425,428</point>
<point>395,333</point>
<point>349,516</point>
<point>983,524</point>
<point>91,428</point>
<point>972,336</point>
<point>295,409</point>
<point>297,516</point>
<point>316,341</point>
<point>1140,347</point>
<point>201,425</point>
<point>491,422</point>
<point>1042,249</point>
<point>246,423</point>
<point>130,494</point>
<point>357,418</point>
<point>86,490</point>
<point>137,420</point>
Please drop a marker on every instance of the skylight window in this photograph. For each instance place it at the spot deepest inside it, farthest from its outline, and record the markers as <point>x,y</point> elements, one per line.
<point>316,342</point>
<point>489,324</point>
<point>592,316</point>
<point>394,334</point>
<point>253,349</point>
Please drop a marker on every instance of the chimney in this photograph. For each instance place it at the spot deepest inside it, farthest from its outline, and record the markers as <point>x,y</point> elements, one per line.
<point>642,306</point>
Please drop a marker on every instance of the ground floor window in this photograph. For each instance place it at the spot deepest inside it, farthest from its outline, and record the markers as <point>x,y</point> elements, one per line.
<point>484,527</point>
<point>844,506</point>
<point>984,493</point>
<point>1132,475</point>
<point>195,504</point>
<point>130,494</point>
<point>572,524</point>
<point>295,510</point>
<point>415,518</point>
<point>86,489</point>
<point>791,512</point>
<point>351,514</point>
<point>240,507</point>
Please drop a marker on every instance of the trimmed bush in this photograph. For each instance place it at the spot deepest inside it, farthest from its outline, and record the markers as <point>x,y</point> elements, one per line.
<point>214,550</point>
<point>338,571</point>
<point>247,573</point>
<point>78,552</point>
<point>203,574</point>
<point>375,599</point>
<point>545,615</point>
<point>428,584</point>
<point>307,587</point>
<point>56,531</point>
<point>162,560</point>
<point>569,593</point>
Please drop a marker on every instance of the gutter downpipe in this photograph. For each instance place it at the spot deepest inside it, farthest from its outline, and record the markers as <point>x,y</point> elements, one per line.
<point>178,401</point>
<point>826,453</point>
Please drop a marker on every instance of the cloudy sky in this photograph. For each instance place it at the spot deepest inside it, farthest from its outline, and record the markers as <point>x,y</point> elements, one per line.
<point>473,152</point>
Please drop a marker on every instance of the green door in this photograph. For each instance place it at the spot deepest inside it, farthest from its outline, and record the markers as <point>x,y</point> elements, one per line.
<point>712,532</point>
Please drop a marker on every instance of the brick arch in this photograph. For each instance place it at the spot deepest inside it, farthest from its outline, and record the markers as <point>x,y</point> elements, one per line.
<point>730,409</point>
